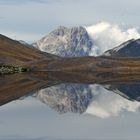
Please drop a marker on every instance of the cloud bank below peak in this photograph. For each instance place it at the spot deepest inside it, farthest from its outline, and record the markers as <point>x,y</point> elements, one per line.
<point>106,36</point>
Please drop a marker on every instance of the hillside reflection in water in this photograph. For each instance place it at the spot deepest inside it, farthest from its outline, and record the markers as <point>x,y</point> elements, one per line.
<point>61,97</point>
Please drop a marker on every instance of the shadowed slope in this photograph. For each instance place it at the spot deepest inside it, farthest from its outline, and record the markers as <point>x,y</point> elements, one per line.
<point>15,86</point>
<point>14,53</point>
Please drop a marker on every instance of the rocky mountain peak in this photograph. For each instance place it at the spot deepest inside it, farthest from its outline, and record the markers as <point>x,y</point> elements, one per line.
<point>66,97</point>
<point>66,42</point>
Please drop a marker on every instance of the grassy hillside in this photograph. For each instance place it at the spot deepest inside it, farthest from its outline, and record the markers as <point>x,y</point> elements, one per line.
<point>15,54</point>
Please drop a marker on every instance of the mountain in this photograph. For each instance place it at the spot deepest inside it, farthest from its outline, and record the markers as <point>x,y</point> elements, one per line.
<point>66,42</point>
<point>15,53</point>
<point>128,91</point>
<point>66,97</point>
<point>77,98</point>
<point>130,48</point>
<point>26,44</point>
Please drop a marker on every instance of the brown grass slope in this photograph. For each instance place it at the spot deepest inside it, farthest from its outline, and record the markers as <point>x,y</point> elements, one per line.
<point>89,64</point>
<point>16,54</point>
<point>14,86</point>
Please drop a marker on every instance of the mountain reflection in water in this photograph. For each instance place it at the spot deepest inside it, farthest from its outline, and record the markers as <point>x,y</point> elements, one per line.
<point>102,95</point>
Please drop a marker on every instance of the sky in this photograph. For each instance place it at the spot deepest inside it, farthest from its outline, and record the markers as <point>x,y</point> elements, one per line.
<point>30,20</point>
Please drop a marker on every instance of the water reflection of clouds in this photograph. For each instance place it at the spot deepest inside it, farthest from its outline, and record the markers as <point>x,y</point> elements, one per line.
<point>32,119</point>
<point>107,104</point>
<point>93,99</point>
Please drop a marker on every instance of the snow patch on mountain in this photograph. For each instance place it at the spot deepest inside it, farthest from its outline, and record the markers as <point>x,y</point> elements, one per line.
<point>86,41</point>
<point>106,36</point>
<point>66,42</point>
<point>131,48</point>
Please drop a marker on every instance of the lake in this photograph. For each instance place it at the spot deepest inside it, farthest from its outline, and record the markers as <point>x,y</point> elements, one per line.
<point>69,106</point>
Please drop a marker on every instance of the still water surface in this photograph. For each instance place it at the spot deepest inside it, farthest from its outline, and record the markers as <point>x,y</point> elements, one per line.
<point>47,107</point>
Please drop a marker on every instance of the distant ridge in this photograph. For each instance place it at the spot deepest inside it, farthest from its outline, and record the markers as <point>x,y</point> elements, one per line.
<point>130,48</point>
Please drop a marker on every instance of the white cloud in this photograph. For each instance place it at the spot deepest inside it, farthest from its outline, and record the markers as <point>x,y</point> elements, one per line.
<point>107,36</point>
<point>103,104</point>
<point>107,104</point>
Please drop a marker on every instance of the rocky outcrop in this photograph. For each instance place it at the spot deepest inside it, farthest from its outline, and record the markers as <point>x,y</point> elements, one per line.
<point>66,97</point>
<point>66,42</point>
